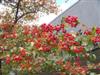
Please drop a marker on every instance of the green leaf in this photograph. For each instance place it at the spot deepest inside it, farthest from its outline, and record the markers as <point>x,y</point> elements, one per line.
<point>54,49</point>
<point>93,30</point>
<point>92,57</point>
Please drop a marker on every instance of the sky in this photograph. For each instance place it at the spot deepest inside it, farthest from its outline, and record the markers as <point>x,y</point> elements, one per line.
<point>59,2</point>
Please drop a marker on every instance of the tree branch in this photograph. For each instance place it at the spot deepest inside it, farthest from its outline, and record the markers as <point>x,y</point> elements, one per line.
<point>16,14</point>
<point>24,15</point>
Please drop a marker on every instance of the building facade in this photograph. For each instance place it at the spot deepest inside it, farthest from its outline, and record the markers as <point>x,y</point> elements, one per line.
<point>88,12</point>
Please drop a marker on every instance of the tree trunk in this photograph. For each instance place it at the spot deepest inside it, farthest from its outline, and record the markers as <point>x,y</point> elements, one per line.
<point>0,67</point>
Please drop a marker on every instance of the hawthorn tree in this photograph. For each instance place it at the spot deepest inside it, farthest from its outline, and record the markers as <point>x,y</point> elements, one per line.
<point>25,10</point>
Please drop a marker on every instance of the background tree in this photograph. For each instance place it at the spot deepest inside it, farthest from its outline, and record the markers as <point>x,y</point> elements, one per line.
<point>19,11</point>
<point>23,10</point>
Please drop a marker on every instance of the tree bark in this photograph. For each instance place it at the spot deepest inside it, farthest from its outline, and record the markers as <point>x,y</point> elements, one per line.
<point>17,10</point>
<point>0,66</point>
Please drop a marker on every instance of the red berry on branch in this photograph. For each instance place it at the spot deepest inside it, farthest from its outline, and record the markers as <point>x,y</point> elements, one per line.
<point>87,32</point>
<point>78,49</point>
<point>95,39</point>
<point>72,20</point>
<point>17,58</point>
<point>8,59</point>
<point>22,51</point>
<point>98,30</point>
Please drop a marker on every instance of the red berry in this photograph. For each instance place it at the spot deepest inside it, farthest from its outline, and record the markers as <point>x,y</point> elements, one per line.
<point>17,58</point>
<point>23,52</point>
<point>87,32</point>
<point>8,59</point>
<point>98,30</point>
<point>72,20</point>
<point>78,49</point>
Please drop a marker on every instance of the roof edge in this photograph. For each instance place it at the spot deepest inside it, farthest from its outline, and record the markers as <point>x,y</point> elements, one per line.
<point>65,11</point>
